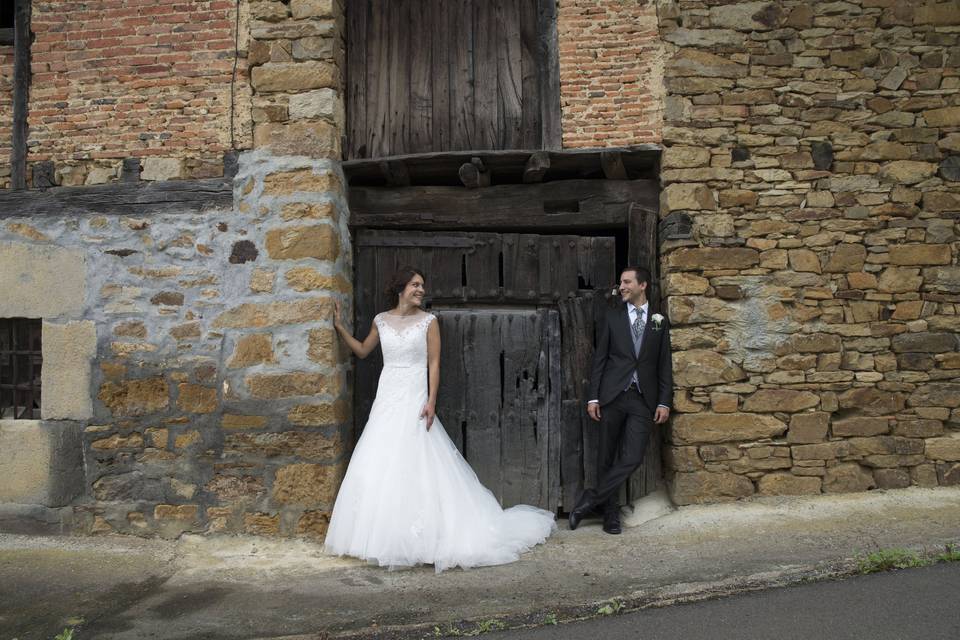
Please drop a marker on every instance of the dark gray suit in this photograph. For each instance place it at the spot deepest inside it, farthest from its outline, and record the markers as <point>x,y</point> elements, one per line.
<point>627,413</point>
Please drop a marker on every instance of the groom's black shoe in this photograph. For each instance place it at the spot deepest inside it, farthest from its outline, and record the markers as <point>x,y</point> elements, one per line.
<point>611,522</point>
<point>581,510</point>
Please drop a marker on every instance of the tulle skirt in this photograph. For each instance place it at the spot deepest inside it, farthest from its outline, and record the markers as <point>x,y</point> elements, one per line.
<point>409,497</point>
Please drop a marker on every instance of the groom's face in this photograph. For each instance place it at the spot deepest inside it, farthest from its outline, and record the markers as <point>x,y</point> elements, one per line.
<point>631,290</point>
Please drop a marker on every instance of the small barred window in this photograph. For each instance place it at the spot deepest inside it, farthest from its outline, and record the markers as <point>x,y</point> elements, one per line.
<point>21,358</point>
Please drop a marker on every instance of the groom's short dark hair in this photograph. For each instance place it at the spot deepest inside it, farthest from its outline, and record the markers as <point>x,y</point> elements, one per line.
<point>642,274</point>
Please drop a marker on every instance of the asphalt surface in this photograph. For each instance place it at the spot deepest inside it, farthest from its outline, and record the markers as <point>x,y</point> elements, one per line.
<point>897,605</point>
<point>245,588</point>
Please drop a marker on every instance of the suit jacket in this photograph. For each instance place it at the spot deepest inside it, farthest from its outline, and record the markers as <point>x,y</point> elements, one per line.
<point>614,361</point>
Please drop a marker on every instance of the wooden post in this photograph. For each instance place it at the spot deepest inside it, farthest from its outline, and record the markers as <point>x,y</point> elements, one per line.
<point>21,94</point>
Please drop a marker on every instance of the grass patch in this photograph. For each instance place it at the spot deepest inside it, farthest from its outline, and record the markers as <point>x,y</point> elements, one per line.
<point>890,559</point>
<point>66,634</point>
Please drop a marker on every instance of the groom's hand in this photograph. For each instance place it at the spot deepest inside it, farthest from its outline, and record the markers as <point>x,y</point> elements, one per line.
<point>661,415</point>
<point>593,410</point>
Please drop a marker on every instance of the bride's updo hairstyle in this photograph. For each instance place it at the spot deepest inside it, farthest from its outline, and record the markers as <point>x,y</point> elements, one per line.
<point>401,279</point>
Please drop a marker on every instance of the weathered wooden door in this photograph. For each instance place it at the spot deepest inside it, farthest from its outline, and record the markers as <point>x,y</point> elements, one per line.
<point>516,314</point>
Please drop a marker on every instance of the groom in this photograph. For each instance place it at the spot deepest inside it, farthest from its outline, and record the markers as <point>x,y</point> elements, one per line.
<point>631,387</point>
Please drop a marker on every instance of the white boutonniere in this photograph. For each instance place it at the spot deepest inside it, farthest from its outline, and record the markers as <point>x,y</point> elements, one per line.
<point>657,320</point>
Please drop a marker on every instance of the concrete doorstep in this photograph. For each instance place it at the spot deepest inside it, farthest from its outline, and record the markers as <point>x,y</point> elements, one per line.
<point>220,588</point>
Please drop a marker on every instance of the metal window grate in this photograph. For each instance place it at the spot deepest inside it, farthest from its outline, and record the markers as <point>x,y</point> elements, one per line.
<point>21,359</point>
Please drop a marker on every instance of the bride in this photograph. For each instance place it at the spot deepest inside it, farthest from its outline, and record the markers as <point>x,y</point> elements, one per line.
<point>408,496</point>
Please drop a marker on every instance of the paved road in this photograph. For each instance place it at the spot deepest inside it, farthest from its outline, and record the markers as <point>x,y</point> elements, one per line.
<point>901,605</point>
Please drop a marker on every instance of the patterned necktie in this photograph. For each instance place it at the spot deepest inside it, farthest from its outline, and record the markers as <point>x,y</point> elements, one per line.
<point>638,325</point>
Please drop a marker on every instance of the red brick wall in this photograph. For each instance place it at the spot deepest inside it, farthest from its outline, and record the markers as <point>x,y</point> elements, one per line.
<point>117,78</point>
<point>611,72</point>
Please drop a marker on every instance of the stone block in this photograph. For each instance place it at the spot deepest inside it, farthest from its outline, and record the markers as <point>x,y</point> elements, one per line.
<point>682,156</point>
<point>680,284</point>
<point>872,401</point>
<point>313,524</point>
<point>251,350</point>
<point>135,397</point>
<point>787,484</point>
<point>926,342</point>
<point>312,9</point>
<point>682,459</point>
<point>748,16</point>
<point>41,281</point>
<point>239,421</point>
<point>936,394</point>
<point>294,77</point>
<point>683,196</point>
<point>806,428</point>
<point>699,428</point>
<point>253,315</point>
<point>320,415</point>
<point>710,259</point>
<point>321,242</point>
<point>309,279</point>
<point>948,474</point>
<point>899,280</point>
<point>261,524</point>
<point>195,398</point>
<point>313,139</point>
<point>230,489</point>
<point>924,475</point>
<point>846,258</point>
<point>821,451</point>
<point>68,350</point>
<point>697,309</point>
<point>306,485</point>
<point>702,367</point>
<point>285,385</point>
<point>321,103</point>
<point>705,486</point>
<point>920,254</point>
<point>943,449</point>
<point>804,260</point>
<point>155,169</point>
<point>786,400</point>
<point>284,183</point>
<point>303,445</point>
<point>908,171</point>
<point>861,426</point>
<point>848,478</point>
<point>944,117</point>
<point>41,463</point>
<point>891,478</point>
<point>920,428</point>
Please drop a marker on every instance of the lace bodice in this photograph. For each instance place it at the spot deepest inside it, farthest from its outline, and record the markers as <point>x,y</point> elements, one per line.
<point>403,339</point>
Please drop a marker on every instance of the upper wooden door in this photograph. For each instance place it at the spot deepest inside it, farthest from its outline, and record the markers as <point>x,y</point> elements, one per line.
<point>451,75</point>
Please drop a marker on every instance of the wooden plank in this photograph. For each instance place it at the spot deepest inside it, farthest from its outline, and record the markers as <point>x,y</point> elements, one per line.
<point>130,170</point>
<point>142,198</point>
<point>395,172</point>
<point>21,94</point>
<point>520,342</point>
<point>521,266</point>
<point>462,109</point>
<point>378,80</point>
<point>531,116</point>
<point>356,78</point>
<point>552,428</point>
<point>564,204</point>
<point>451,396</point>
<point>509,75</point>
<point>440,61</point>
<point>643,249</point>
<point>366,302</point>
<point>612,163</point>
<point>399,70</point>
<point>551,137</point>
<point>421,31</point>
<point>481,354</point>
<point>482,267</point>
<point>44,175</point>
<point>485,74</point>
<point>536,167</point>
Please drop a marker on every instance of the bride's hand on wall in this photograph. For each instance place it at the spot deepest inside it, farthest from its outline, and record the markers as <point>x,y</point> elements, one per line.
<point>428,413</point>
<point>337,324</point>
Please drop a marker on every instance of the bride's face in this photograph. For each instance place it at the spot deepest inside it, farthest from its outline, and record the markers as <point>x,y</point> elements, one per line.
<point>414,292</point>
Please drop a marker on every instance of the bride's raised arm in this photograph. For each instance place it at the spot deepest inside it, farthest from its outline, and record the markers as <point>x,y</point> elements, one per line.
<point>360,349</point>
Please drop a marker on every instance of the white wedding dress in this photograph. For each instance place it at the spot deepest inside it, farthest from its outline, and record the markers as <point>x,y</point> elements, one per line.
<point>408,496</point>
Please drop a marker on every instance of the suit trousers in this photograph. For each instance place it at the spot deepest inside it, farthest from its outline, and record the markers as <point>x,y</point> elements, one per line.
<point>625,427</point>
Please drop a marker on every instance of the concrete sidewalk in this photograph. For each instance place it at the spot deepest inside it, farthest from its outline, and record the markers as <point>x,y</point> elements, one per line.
<point>242,588</point>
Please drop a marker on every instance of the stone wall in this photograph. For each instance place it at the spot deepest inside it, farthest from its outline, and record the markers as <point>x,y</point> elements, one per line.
<point>216,393</point>
<point>611,72</point>
<point>149,80</point>
<point>810,245</point>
